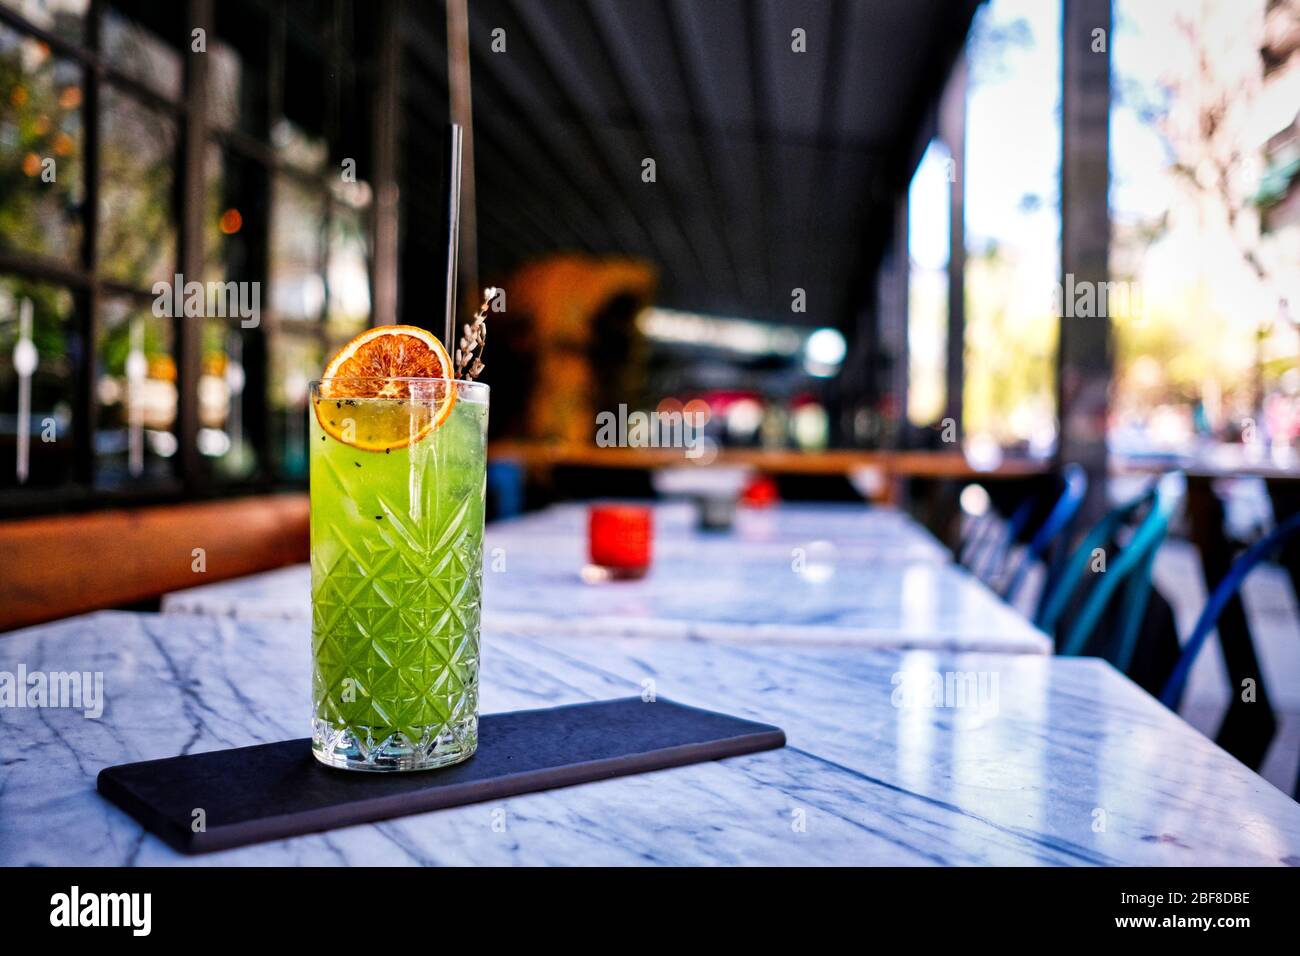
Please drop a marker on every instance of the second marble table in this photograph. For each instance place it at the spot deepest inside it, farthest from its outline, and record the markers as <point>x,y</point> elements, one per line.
<point>830,574</point>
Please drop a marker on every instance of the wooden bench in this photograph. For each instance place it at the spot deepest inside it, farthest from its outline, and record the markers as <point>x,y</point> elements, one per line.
<point>52,567</point>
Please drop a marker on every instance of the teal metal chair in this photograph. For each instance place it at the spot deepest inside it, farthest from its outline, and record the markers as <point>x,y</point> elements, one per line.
<point>1126,580</point>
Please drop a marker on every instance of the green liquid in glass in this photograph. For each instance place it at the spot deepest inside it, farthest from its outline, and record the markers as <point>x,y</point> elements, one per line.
<point>396,558</point>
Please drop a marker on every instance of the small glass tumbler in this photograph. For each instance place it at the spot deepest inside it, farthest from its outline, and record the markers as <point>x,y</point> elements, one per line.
<point>619,542</point>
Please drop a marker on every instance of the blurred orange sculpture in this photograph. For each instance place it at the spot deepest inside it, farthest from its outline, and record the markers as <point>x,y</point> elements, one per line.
<point>574,316</point>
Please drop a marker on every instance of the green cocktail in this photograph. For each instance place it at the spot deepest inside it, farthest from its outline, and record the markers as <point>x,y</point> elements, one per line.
<point>397,493</point>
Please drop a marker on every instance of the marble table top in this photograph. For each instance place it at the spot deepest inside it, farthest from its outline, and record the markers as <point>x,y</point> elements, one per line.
<point>778,534</point>
<point>1038,761</point>
<point>918,605</point>
<point>855,530</point>
<point>771,584</point>
<point>825,598</point>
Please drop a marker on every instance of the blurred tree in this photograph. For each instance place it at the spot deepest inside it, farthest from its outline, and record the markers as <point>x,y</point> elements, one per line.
<point>1207,98</point>
<point>40,151</point>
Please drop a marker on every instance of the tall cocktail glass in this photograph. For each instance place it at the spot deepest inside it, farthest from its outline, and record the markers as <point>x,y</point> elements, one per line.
<point>397,495</point>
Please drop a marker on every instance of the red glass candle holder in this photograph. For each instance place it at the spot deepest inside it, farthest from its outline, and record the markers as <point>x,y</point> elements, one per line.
<point>619,539</point>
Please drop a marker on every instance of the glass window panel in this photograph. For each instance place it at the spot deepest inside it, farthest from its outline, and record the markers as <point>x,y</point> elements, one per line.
<point>237,55</point>
<point>234,215</point>
<point>40,150</point>
<point>223,437</point>
<point>236,89</point>
<point>927,294</point>
<point>37,383</point>
<point>1204,256</point>
<point>306,78</point>
<point>353,194</point>
<point>136,391</point>
<point>297,244</point>
<point>295,361</point>
<point>140,53</point>
<point>1012,220</point>
<point>217,223</point>
<point>63,18</point>
<point>225,85</point>
<point>348,275</point>
<point>137,241</point>
<point>294,146</point>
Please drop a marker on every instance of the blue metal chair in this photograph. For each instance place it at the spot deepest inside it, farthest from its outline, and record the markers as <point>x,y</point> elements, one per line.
<point>1127,575</point>
<point>1057,524</point>
<point>1227,588</point>
<point>987,550</point>
<point>1172,695</point>
<point>988,563</point>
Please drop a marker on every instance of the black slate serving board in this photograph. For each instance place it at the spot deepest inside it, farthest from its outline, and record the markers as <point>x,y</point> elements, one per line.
<point>272,791</point>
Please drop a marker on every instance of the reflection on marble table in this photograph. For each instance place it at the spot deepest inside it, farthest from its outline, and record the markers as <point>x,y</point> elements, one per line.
<point>870,532</point>
<point>820,538</point>
<point>817,597</point>
<point>1016,760</point>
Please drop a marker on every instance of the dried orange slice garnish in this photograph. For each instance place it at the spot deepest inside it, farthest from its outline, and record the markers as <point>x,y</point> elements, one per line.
<point>372,366</point>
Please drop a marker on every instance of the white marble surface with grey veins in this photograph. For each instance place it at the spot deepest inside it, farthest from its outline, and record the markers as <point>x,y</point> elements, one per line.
<point>1047,761</point>
<point>833,575</point>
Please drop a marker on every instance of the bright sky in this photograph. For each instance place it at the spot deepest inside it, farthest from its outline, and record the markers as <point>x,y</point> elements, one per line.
<point>1012,150</point>
<point>1013,131</point>
<point>1193,277</point>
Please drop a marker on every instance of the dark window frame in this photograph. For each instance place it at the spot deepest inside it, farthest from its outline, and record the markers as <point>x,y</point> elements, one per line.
<point>192,478</point>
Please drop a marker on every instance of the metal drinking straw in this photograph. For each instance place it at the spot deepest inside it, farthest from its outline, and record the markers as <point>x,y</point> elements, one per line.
<point>455,139</point>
